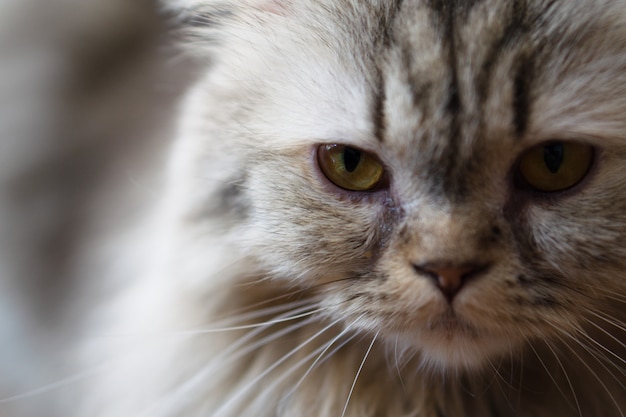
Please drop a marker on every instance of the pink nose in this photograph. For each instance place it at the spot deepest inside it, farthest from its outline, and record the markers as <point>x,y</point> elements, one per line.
<point>450,278</point>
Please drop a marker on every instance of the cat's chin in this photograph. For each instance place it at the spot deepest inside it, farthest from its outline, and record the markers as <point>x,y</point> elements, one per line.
<point>451,345</point>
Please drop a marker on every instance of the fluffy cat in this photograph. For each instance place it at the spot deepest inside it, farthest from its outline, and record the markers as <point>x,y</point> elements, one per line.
<point>378,208</point>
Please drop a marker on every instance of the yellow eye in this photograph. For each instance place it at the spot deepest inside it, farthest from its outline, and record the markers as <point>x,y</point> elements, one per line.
<point>350,168</point>
<point>556,166</point>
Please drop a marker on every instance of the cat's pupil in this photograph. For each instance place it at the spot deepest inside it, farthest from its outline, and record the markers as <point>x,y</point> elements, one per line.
<point>351,158</point>
<point>553,156</point>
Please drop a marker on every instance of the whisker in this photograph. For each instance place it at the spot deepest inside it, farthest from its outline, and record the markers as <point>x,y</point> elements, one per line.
<point>358,373</point>
<point>319,352</point>
<point>598,357</point>
<point>499,376</point>
<point>261,397</point>
<point>497,373</point>
<point>604,348</point>
<point>521,377</point>
<point>55,385</point>
<point>263,374</point>
<point>75,378</point>
<point>558,386</point>
<point>250,311</point>
<point>605,319</point>
<point>227,356</point>
<point>495,376</point>
<point>608,391</point>
<point>395,355</point>
<point>227,325</point>
<point>321,355</point>
<point>616,297</point>
<point>567,378</point>
<point>247,326</point>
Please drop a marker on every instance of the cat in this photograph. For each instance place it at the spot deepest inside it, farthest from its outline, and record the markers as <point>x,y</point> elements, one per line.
<point>376,208</point>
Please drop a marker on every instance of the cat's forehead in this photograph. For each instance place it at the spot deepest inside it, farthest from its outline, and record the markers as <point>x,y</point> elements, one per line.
<point>454,78</point>
<point>461,79</point>
<point>458,69</point>
<point>432,80</point>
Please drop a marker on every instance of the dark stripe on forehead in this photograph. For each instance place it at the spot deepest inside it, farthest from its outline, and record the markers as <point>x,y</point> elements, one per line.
<point>380,96</point>
<point>514,27</point>
<point>461,7</point>
<point>420,88</point>
<point>378,109</point>
<point>517,25</point>
<point>446,19</point>
<point>521,95</point>
<point>398,7</point>
<point>386,20</point>
<point>433,100</point>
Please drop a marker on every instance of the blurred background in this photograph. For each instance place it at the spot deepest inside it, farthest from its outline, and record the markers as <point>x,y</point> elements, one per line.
<point>88,93</point>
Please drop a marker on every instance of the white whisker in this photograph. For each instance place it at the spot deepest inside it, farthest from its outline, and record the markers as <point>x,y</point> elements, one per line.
<point>319,352</point>
<point>499,376</point>
<point>277,381</point>
<point>567,378</point>
<point>597,356</point>
<point>253,312</point>
<point>55,385</point>
<point>604,348</point>
<point>226,325</point>
<point>247,326</point>
<point>263,374</point>
<point>227,356</point>
<point>556,384</point>
<point>603,330</point>
<point>356,377</point>
<point>608,391</point>
<point>397,364</point>
<point>521,377</point>
<point>321,355</point>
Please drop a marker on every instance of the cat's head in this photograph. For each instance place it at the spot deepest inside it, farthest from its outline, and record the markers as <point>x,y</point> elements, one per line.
<point>449,174</point>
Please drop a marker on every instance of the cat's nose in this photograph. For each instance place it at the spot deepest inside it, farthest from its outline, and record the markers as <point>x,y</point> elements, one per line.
<point>450,278</point>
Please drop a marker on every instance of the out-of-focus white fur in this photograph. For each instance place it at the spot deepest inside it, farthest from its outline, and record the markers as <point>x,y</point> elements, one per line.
<point>83,121</point>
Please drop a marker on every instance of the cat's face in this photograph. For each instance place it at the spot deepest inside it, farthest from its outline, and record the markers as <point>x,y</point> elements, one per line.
<point>477,199</point>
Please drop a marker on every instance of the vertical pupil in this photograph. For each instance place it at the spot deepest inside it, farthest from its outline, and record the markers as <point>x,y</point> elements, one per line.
<point>351,159</point>
<point>553,156</point>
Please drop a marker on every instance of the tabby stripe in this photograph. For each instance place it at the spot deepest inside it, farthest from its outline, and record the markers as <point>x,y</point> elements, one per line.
<point>420,88</point>
<point>516,27</point>
<point>463,8</point>
<point>521,100</point>
<point>445,13</point>
<point>378,110</point>
<point>447,18</point>
<point>511,33</point>
<point>380,95</point>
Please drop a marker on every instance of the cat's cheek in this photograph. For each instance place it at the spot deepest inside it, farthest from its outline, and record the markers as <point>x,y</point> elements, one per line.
<point>300,231</point>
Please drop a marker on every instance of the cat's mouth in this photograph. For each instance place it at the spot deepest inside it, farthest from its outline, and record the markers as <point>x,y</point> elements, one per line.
<point>451,341</point>
<point>451,324</point>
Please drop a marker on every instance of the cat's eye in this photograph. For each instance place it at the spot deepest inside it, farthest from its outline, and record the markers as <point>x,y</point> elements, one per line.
<point>555,166</point>
<point>350,168</point>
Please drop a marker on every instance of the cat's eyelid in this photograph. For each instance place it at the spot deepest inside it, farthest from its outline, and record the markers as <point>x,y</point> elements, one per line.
<point>537,138</point>
<point>372,148</point>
